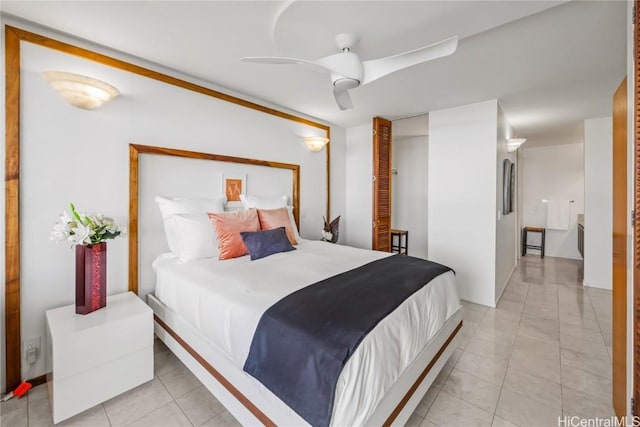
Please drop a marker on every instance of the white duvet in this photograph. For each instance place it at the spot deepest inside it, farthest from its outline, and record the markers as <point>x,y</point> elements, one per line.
<point>224,300</point>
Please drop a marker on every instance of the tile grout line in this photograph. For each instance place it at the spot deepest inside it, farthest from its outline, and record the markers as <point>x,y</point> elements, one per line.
<point>598,322</point>
<point>104,408</point>
<point>185,414</point>
<point>507,360</point>
<point>432,402</point>
<point>586,293</point>
<point>440,389</point>
<point>560,351</point>
<point>459,398</point>
<point>495,412</point>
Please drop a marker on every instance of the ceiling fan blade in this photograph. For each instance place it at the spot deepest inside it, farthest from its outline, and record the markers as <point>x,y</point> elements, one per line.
<point>376,68</point>
<point>342,99</point>
<point>278,60</point>
<point>340,63</point>
<point>274,60</point>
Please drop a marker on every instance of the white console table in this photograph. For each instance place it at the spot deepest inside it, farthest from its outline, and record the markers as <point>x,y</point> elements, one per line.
<point>95,357</point>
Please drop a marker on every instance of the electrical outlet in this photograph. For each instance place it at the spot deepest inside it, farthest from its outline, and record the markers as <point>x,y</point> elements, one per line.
<point>30,345</point>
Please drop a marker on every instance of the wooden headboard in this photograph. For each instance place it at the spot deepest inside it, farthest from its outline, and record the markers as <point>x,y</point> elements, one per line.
<point>134,163</point>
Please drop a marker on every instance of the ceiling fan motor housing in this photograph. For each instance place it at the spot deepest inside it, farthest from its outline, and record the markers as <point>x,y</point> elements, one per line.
<point>344,83</point>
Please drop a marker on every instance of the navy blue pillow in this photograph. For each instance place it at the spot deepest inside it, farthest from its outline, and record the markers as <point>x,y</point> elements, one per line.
<point>268,242</point>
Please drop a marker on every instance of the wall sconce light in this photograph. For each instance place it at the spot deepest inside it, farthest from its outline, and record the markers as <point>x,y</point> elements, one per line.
<point>80,91</point>
<point>514,143</point>
<point>315,143</point>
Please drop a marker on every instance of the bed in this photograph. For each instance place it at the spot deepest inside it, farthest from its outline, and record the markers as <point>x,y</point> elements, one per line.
<point>206,310</point>
<point>214,307</point>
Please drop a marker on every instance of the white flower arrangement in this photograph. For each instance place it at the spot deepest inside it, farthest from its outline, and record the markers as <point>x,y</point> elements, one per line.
<point>83,229</point>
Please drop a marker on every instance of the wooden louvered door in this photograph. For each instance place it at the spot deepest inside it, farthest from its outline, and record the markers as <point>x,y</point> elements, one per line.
<point>619,279</point>
<point>381,184</point>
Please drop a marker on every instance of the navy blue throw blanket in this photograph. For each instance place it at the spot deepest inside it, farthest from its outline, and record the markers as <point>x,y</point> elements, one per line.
<point>303,341</point>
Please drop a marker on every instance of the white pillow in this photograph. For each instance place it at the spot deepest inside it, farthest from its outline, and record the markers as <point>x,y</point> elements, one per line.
<point>196,236</point>
<point>264,202</point>
<point>294,226</point>
<point>169,207</point>
<point>271,202</point>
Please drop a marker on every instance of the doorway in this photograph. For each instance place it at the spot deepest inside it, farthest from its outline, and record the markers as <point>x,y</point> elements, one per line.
<point>410,181</point>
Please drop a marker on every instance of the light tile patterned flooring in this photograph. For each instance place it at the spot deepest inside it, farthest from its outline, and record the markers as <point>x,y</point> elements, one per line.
<point>545,351</point>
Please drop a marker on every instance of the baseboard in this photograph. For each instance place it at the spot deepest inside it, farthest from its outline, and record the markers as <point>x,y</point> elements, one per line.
<point>596,285</point>
<point>506,283</point>
<point>38,380</point>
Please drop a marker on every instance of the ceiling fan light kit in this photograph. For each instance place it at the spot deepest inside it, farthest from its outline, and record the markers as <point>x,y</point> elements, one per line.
<point>349,72</point>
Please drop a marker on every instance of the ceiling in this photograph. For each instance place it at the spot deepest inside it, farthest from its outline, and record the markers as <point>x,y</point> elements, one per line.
<point>550,63</point>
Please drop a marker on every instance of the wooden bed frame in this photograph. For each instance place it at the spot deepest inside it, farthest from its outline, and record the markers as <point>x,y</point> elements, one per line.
<point>229,384</point>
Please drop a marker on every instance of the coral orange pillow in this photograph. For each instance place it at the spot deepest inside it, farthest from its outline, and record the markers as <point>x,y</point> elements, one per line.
<point>276,218</point>
<point>228,226</point>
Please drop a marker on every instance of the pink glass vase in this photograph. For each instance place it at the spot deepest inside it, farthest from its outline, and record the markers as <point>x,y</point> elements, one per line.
<point>91,277</point>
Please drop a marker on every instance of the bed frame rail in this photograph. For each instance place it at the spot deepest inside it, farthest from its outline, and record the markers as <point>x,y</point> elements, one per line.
<point>248,413</point>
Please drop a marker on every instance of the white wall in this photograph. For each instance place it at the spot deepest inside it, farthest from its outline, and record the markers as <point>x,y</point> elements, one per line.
<point>359,203</point>
<point>598,202</point>
<point>553,172</point>
<point>82,156</point>
<point>506,225</point>
<point>462,196</point>
<point>338,179</point>
<point>409,190</point>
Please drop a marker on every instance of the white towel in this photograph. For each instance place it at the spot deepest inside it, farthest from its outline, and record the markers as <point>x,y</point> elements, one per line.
<point>558,212</point>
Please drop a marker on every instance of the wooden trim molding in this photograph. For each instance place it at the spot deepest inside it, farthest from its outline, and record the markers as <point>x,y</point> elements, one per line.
<point>12,209</point>
<point>328,156</point>
<point>13,37</point>
<point>136,150</point>
<point>619,252</point>
<point>133,218</point>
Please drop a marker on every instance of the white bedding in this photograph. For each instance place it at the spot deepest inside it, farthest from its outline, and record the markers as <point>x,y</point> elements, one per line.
<point>224,300</point>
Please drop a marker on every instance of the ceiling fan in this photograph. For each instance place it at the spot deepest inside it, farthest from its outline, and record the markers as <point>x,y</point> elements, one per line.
<point>349,72</point>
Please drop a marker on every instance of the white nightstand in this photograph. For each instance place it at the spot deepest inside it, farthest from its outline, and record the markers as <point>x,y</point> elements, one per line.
<point>97,356</point>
